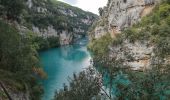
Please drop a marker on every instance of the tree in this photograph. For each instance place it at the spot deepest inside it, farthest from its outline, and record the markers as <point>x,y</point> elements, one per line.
<point>100,11</point>
<point>85,86</point>
<point>18,57</point>
<point>12,8</point>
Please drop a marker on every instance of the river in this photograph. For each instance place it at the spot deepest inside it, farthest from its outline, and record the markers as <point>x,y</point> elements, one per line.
<point>59,63</point>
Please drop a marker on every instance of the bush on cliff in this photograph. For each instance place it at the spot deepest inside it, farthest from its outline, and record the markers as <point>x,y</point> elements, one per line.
<point>100,46</point>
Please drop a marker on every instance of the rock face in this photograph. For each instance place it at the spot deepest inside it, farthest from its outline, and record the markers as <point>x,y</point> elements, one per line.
<point>50,18</point>
<point>135,55</point>
<point>120,14</point>
<point>115,17</point>
<point>64,36</point>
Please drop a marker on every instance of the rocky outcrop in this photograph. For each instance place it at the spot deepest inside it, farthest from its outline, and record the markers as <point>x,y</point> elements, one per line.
<point>136,55</point>
<point>117,16</point>
<point>120,14</point>
<point>50,18</point>
<point>64,36</point>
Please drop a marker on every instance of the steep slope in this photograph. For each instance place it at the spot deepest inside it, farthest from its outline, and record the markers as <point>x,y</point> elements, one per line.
<point>53,18</point>
<point>120,14</point>
<point>131,46</point>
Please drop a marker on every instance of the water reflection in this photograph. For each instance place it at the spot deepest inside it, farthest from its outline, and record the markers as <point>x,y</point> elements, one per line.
<point>73,53</point>
<point>59,63</point>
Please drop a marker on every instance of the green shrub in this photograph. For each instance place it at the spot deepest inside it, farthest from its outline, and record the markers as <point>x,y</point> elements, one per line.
<point>156,18</point>
<point>12,8</point>
<point>131,34</point>
<point>164,10</point>
<point>145,21</point>
<point>53,41</point>
<point>100,46</point>
<point>164,30</point>
<point>155,29</point>
<point>84,86</point>
<point>168,20</point>
<point>42,43</point>
<point>118,40</point>
<point>163,47</point>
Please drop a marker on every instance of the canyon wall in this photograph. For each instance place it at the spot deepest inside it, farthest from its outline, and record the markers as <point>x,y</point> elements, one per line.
<point>117,16</point>
<point>50,18</point>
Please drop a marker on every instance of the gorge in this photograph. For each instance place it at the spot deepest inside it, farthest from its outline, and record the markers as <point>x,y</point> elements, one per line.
<point>32,26</point>
<point>42,42</point>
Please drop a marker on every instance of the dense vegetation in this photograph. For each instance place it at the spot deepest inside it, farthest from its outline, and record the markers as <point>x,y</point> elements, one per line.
<point>11,9</point>
<point>18,58</point>
<point>19,61</point>
<point>126,84</point>
<point>100,46</point>
<point>57,14</point>
<point>46,43</point>
<point>81,86</point>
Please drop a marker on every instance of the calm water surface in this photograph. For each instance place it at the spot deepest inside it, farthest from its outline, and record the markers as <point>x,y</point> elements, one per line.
<point>59,63</point>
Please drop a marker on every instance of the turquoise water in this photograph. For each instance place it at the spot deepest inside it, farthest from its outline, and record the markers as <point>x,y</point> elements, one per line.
<point>59,63</point>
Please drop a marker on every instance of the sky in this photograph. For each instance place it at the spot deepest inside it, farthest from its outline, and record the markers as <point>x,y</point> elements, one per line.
<point>87,5</point>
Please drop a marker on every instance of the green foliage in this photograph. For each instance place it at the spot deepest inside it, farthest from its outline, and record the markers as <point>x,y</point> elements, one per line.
<point>46,43</point>
<point>12,8</point>
<point>100,46</point>
<point>42,43</point>
<point>168,20</point>
<point>53,41</point>
<point>8,46</point>
<point>100,11</point>
<point>131,34</point>
<point>154,28</point>
<point>145,21</point>
<point>83,86</point>
<point>151,86</point>
<point>163,47</point>
<point>164,10</point>
<point>156,18</point>
<point>17,58</point>
<point>57,14</point>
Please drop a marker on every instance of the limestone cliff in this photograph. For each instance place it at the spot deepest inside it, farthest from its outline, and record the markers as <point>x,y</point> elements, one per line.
<point>117,16</point>
<point>51,18</point>
<point>120,14</point>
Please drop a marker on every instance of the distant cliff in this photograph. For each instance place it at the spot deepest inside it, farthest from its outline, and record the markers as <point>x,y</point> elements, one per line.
<point>51,18</point>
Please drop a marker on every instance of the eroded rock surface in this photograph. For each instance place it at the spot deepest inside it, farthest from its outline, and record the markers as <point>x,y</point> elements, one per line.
<point>120,14</point>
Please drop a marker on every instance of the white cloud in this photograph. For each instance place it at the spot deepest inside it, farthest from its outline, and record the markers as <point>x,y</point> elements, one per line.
<point>88,5</point>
